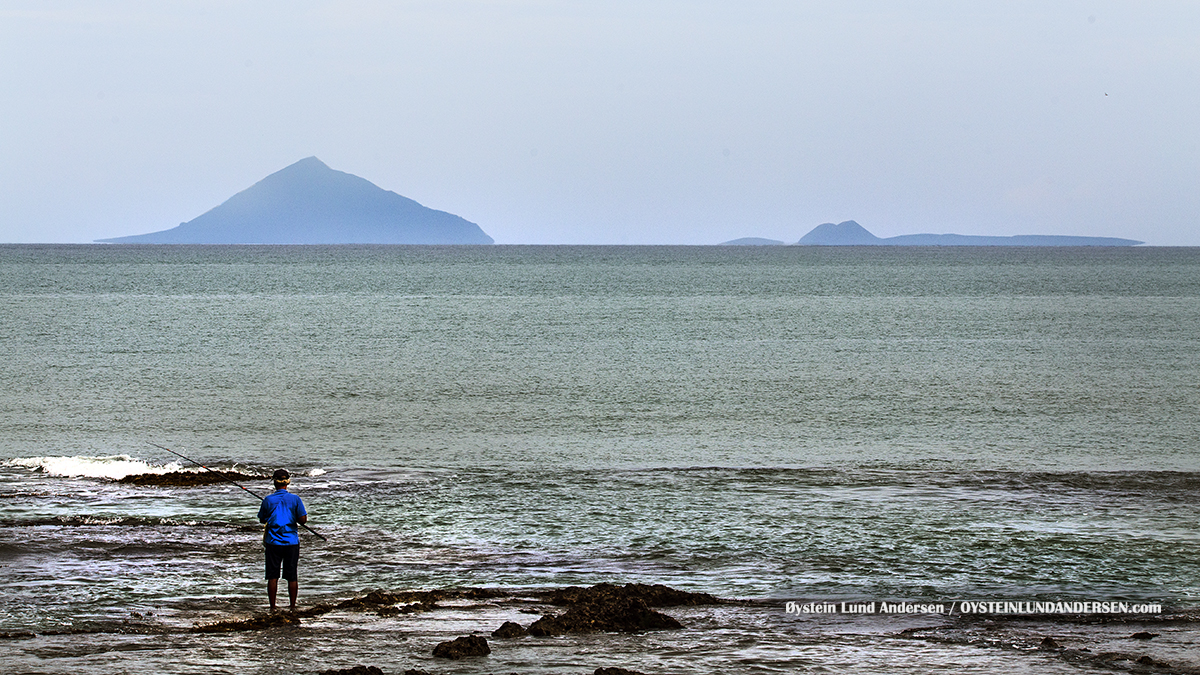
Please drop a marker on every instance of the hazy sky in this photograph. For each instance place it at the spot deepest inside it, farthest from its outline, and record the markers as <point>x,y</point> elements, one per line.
<point>612,121</point>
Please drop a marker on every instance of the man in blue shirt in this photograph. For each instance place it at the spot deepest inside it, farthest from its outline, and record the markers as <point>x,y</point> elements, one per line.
<point>281,511</point>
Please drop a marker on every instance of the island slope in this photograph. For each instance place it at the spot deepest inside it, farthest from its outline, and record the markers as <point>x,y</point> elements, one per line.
<point>310,203</point>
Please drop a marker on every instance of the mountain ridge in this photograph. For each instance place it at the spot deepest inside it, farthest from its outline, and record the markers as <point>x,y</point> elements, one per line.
<point>850,233</point>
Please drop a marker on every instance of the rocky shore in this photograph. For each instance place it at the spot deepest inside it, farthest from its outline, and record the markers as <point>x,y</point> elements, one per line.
<point>607,629</point>
<point>601,608</point>
<point>191,478</point>
<point>632,609</point>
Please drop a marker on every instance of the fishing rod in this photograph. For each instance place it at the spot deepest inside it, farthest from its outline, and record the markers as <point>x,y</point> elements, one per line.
<point>163,447</point>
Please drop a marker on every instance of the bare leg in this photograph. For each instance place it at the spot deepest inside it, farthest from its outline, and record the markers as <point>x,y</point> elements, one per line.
<point>272,589</point>
<point>293,590</point>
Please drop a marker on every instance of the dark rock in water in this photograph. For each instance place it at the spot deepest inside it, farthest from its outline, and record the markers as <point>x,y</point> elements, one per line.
<point>480,593</point>
<point>315,610</point>
<point>257,622</point>
<point>612,608</point>
<point>415,671</point>
<point>373,600</point>
<point>510,629</point>
<point>310,203</point>
<point>1143,635</point>
<point>356,670</point>
<point>384,603</point>
<point>189,478</point>
<point>1049,643</point>
<point>609,614</point>
<point>459,648</point>
<point>616,671</point>
<point>654,596</point>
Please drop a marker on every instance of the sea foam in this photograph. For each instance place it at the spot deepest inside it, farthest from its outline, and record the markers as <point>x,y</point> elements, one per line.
<point>114,467</point>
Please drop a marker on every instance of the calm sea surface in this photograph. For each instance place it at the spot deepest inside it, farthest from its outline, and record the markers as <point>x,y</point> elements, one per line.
<point>769,423</point>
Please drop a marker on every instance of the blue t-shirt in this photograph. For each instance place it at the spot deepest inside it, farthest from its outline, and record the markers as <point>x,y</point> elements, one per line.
<point>280,510</point>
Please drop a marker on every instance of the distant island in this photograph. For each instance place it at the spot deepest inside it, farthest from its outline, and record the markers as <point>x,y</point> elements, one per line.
<point>850,233</point>
<point>310,203</point>
<point>753,241</point>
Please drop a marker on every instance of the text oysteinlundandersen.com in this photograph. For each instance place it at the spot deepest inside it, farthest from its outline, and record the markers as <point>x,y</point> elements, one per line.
<point>975,607</point>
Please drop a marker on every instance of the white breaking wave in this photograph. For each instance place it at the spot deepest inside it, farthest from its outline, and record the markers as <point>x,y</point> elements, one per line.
<point>114,467</point>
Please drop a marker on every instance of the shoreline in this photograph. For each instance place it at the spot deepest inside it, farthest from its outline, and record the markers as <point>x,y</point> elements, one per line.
<point>424,621</point>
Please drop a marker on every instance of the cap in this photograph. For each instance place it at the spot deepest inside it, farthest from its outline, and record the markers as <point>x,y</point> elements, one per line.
<point>281,476</point>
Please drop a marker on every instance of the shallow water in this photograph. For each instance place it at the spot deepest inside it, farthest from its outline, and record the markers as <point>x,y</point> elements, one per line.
<point>769,424</point>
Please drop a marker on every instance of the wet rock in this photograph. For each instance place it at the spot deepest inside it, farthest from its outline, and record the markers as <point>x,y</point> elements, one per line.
<point>1049,643</point>
<point>616,671</point>
<point>1143,635</point>
<point>315,610</point>
<point>414,671</point>
<point>392,610</point>
<point>654,596</point>
<point>610,614</point>
<point>509,629</point>
<point>612,608</point>
<point>257,622</point>
<point>356,670</point>
<point>190,478</point>
<point>458,648</point>
<point>482,593</point>
<point>376,601</point>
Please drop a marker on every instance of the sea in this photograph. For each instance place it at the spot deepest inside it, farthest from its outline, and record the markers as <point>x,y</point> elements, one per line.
<point>887,459</point>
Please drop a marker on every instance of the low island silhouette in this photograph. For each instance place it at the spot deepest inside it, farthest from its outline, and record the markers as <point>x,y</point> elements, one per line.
<point>850,233</point>
<point>310,203</point>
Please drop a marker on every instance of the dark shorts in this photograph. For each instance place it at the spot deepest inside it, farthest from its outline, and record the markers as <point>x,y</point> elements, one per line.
<point>287,556</point>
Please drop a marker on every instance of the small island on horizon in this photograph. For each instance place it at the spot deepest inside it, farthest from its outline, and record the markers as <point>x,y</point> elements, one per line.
<point>850,233</point>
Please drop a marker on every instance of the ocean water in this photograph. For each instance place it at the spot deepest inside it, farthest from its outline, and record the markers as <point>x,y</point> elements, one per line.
<point>774,425</point>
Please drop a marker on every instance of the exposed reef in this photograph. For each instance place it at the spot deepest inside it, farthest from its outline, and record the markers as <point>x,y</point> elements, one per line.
<point>190,478</point>
<point>256,622</point>
<point>611,608</point>
<point>463,647</point>
<point>599,608</point>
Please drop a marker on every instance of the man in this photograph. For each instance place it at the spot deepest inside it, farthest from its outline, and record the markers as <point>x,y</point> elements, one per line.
<point>281,511</point>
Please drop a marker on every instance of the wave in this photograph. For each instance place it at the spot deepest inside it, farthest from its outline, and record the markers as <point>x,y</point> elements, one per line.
<point>114,467</point>
<point>122,521</point>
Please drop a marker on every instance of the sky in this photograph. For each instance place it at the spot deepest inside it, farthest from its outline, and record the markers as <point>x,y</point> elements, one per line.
<point>614,121</point>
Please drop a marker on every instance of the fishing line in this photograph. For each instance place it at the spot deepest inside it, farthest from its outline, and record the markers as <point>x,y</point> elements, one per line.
<point>161,447</point>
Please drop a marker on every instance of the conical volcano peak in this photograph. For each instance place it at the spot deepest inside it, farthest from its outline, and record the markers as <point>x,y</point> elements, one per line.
<point>308,164</point>
<point>308,202</point>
